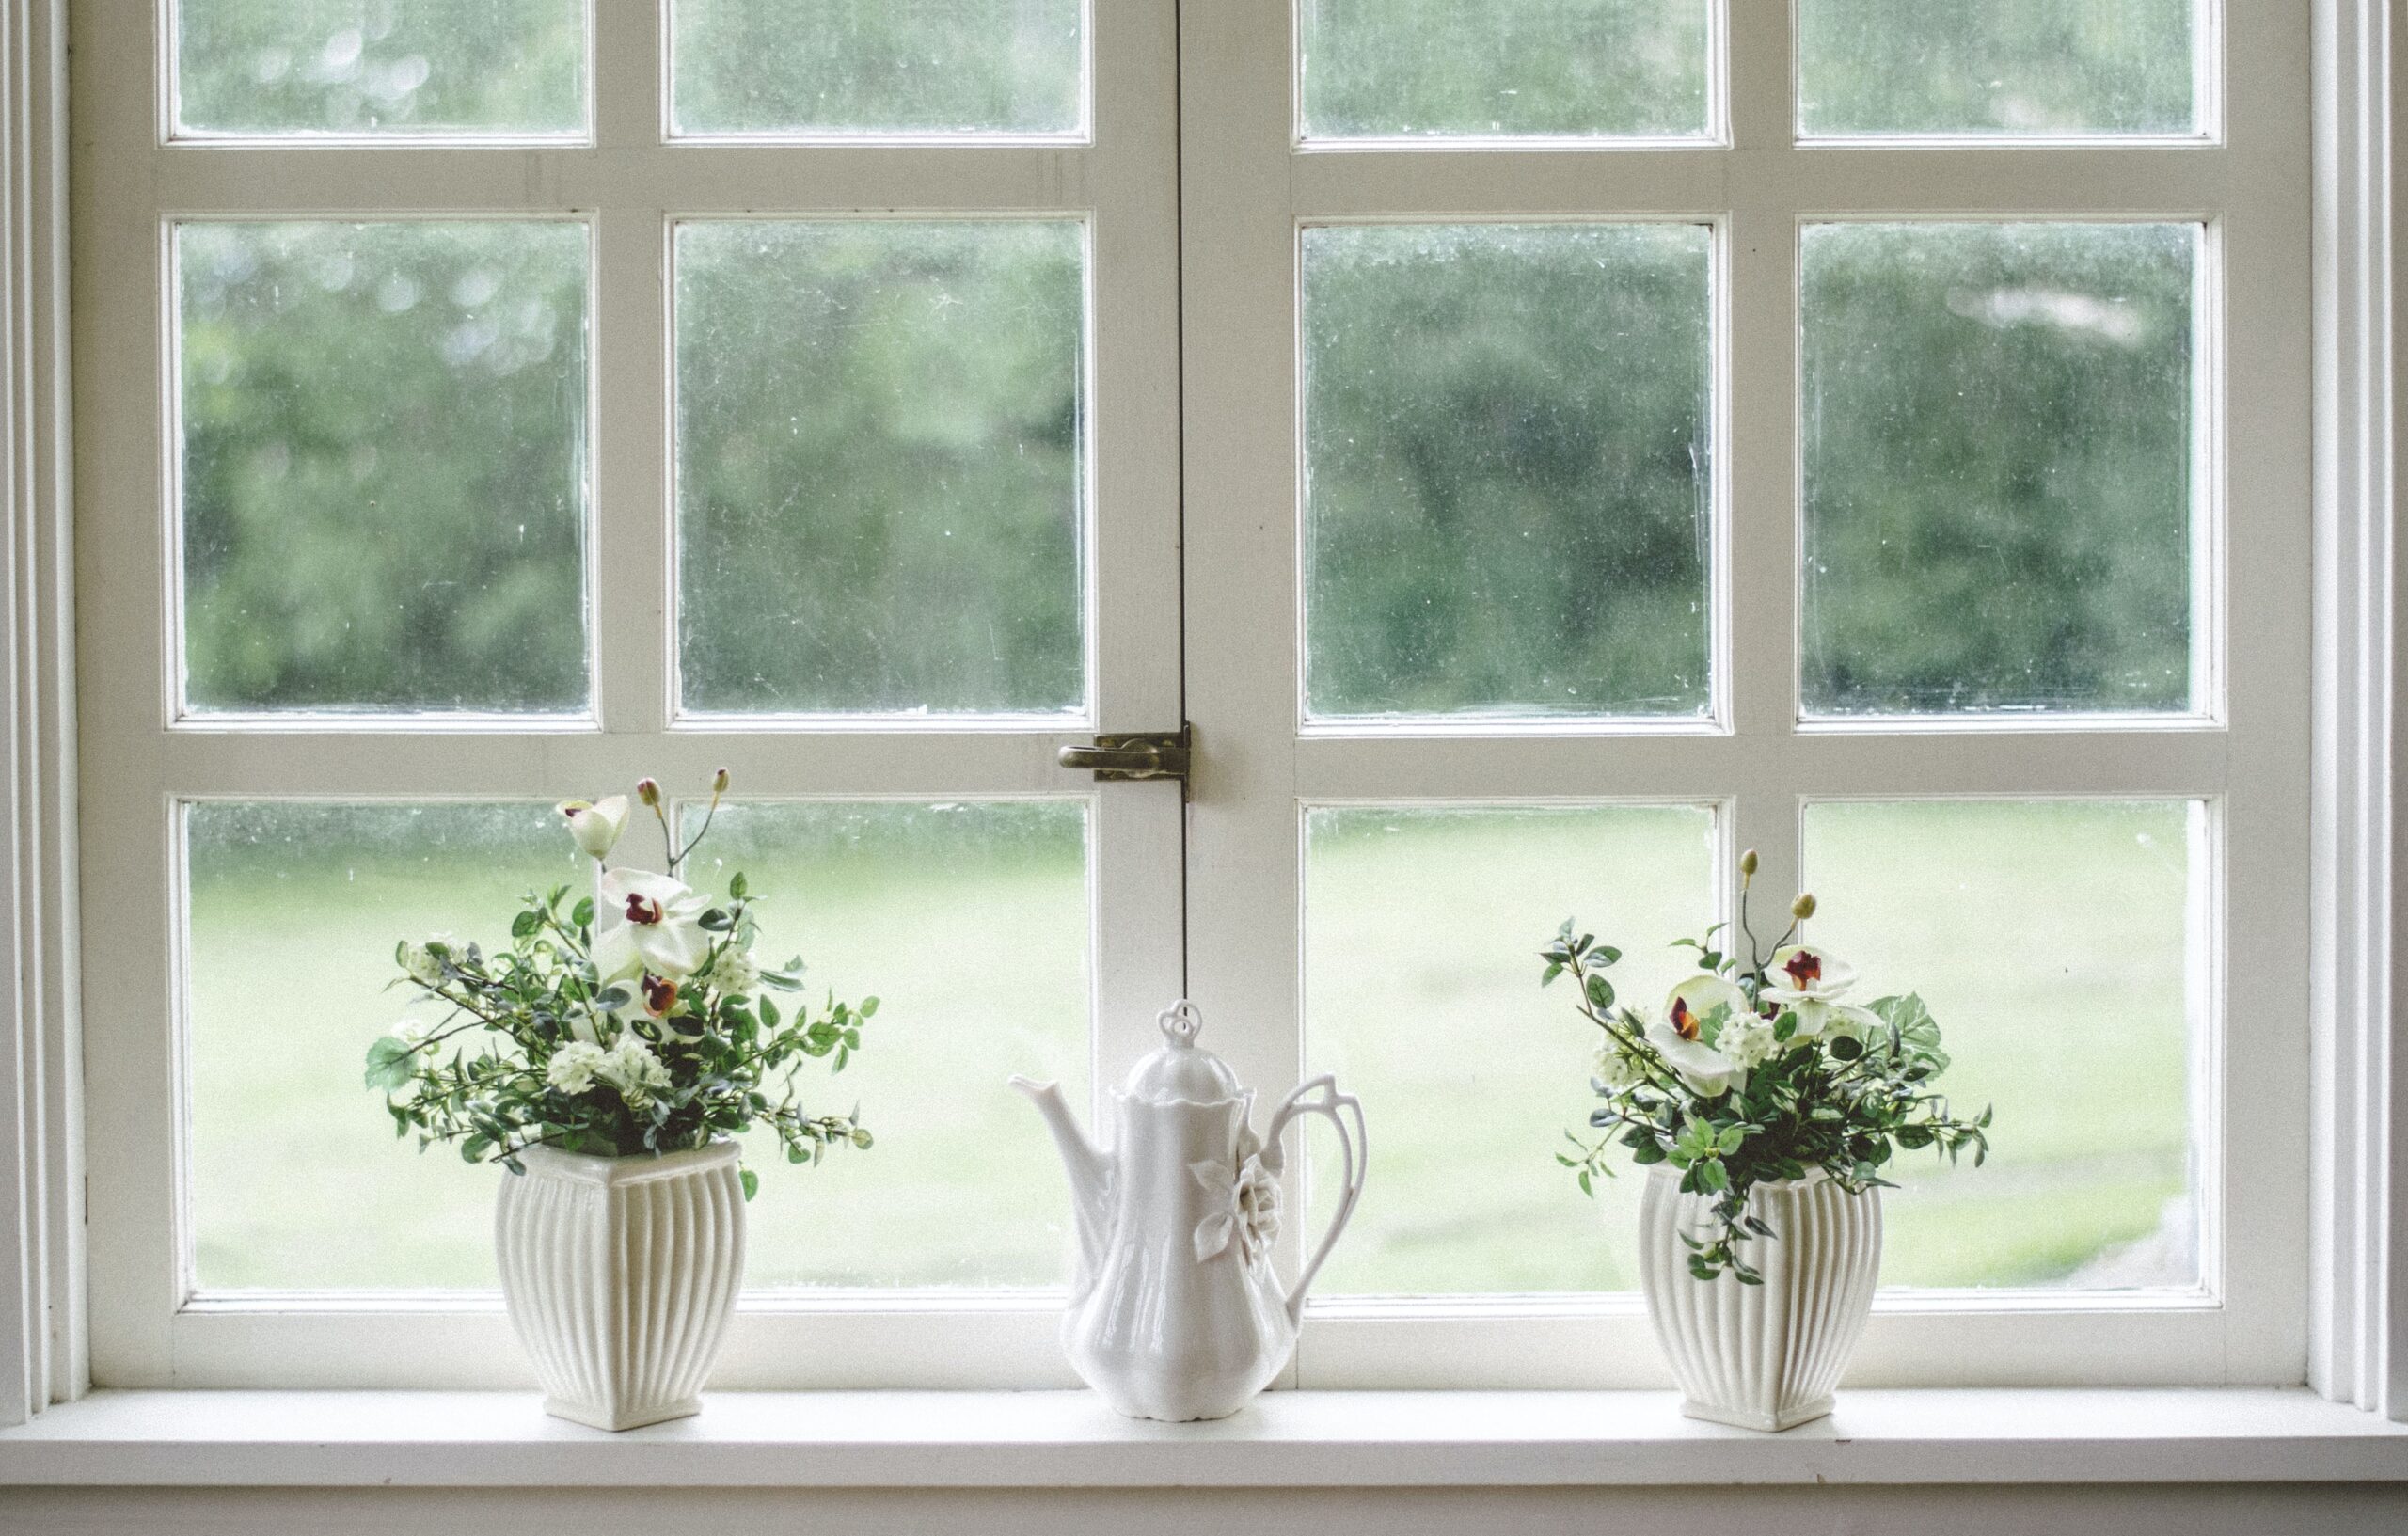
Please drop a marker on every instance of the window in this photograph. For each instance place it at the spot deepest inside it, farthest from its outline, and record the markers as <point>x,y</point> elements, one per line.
<point>1544,448</point>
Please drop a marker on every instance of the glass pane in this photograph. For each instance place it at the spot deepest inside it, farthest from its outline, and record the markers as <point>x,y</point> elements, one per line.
<point>383,466</point>
<point>294,909</point>
<point>1422,927</point>
<point>880,440</point>
<point>874,67</point>
<point>2055,942</point>
<point>961,1188</point>
<point>1489,69</point>
<point>2006,68</point>
<point>298,1181</point>
<point>1997,437</point>
<point>1508,498</point>
<point>375,67</point>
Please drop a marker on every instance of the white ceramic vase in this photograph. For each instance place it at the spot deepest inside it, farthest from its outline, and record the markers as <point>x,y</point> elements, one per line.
<point>620,1275</point>
<point>1762,1356</point>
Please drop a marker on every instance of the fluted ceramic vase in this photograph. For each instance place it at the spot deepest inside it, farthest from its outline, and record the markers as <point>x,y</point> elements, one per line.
<point>1762,1356</point>
<point>620,1275</point>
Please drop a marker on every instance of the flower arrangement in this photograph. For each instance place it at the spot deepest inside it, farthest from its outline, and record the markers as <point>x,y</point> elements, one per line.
<point>1760,1069</point>
<point>636,1020</point>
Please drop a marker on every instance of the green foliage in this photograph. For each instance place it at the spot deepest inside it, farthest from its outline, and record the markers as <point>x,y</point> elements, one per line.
<point>1817,1087</point>
<point>880,453</point>
<point>383,465</point>
<point>2005,66</point>
<point>1998,466</point>
<point>1392,68</point>
<point>850,66</point>
<point>536,1048</point>
<point>370,66</point>
<point>879,468</point>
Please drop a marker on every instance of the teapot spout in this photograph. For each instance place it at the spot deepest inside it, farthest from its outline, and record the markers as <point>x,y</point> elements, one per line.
<point>1090,1170</point>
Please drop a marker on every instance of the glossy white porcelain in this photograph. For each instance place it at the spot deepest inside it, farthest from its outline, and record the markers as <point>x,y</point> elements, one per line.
<point>1762,1356</point>
<point>1175,1312</point>
<point>620,1275</point>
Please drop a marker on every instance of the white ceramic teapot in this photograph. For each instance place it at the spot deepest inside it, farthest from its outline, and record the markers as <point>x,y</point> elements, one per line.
<point>1175,1312</point>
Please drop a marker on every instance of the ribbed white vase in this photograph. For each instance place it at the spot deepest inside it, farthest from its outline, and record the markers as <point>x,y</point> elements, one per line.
<point>620,1275</point>
<point>1763,1356</point>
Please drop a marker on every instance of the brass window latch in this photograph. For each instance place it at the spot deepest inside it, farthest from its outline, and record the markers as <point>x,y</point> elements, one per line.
<point>1127,757</point>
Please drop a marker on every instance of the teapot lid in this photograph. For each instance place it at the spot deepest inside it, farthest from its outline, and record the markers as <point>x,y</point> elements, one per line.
<point>1181,1071</point>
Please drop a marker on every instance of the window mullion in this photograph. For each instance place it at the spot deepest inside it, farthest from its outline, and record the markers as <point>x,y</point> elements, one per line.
<point>631,562</point>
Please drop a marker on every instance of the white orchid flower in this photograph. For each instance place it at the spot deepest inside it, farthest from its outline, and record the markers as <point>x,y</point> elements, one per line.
<point>649,923</point>
<point>1706,1070</point>
<point>597,824</point>
<point>1802,973</point>
<point>1810,983</point>
<point>1699,996</point>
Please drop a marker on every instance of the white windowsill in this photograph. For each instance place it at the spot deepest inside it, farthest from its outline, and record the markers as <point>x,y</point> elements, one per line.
<point>1287,1439</point>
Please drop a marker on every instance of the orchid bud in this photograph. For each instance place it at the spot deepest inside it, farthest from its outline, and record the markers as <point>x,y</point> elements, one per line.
<point>648,791</point>
<point>596,825</point>
<point>1803,908</point>
<point>718,783</point>
<point>1747,863</point>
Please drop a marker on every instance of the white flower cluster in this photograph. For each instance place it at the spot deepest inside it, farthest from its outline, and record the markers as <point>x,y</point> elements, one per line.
<point>629,1067</point>
<point>420,961</point>
<point>733,974</point>
<point>1614,1068</point>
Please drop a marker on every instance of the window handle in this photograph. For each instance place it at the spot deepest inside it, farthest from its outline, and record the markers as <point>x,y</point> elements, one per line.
<point>1128,756</point>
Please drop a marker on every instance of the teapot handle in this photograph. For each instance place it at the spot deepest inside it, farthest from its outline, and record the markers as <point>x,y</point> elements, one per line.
<point>1321,1096</point>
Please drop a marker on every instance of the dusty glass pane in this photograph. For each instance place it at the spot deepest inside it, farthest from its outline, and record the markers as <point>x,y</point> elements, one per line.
<point>969,921</point>
<point>1422,927</point>
<point>1996,432</point>
<point>2054,943</point>
<point>1489,69</point>
<point>380,67</point>
<point>298,1181</point>
<point>874,67</point>
<point>296,1178</point>
<point>1507,500</point>
<point>383,466</point>
<point>880,443</point>
<point>2007,68</point>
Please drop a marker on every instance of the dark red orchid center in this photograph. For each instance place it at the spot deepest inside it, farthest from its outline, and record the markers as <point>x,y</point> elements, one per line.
<point>642,908</point>
<point>1684,1022</point>
<point>1805,968</point>
<point>659,995</point>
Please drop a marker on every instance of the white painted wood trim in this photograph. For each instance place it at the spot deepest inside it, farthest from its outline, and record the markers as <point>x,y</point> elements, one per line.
<point>2358,1304</point>
<point>41,1277</point>
<point>896,1440</point>
<point>1247,187</point>
<point>627,187</point>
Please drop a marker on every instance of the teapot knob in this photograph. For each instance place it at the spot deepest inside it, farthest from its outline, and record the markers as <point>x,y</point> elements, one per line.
<point>1181,1023</point>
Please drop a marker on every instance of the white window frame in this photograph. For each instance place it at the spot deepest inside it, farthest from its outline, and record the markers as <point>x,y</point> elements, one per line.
<point>630,184</point>
<point>1249,184</point>
<point>2356,1315</point>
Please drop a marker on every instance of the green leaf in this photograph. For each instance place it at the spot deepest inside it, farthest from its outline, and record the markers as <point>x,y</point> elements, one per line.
<point>1916,1031</point>
<point>1732,1138</point>
<point>751,1181</point>
<point>582,914</point>
<point>736,890</point>
<point>768,1013</point>
<point>392,1063</point>
<point>1600,990</point>
<point>525,923</point>
<point>869,1006</point>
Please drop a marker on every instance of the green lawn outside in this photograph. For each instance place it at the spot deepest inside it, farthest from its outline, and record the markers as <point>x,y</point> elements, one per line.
<point>2049,939</point>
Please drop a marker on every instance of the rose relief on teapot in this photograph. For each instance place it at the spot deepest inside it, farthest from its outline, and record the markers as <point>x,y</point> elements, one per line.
<point>1175,1311</point>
